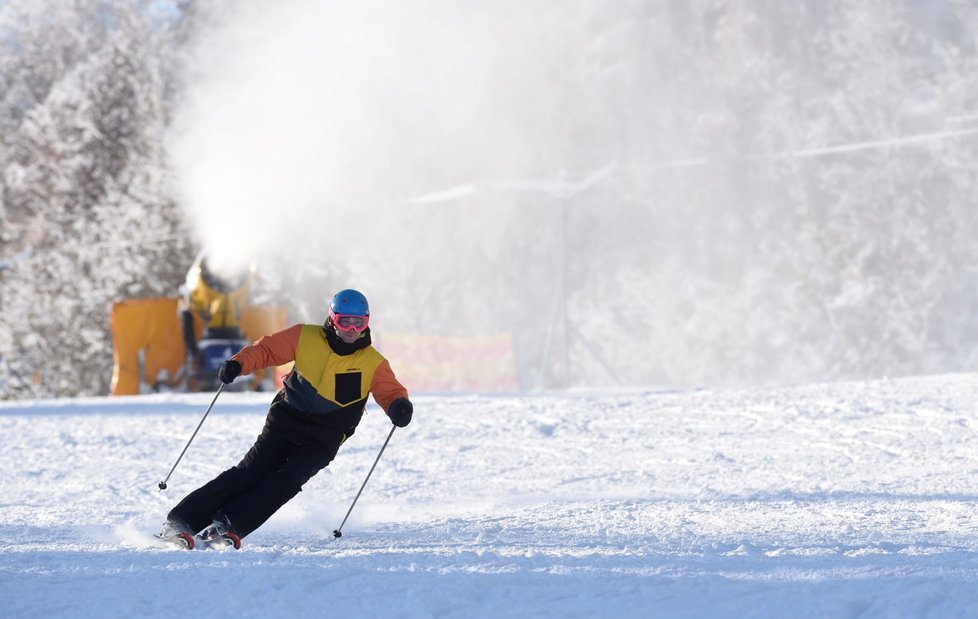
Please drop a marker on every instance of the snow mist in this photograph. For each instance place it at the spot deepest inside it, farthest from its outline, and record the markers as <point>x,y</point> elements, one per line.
<point>650,194</point>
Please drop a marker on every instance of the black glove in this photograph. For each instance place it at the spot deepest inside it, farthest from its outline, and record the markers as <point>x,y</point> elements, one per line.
<point>229,371</point>
<point>400,412</point>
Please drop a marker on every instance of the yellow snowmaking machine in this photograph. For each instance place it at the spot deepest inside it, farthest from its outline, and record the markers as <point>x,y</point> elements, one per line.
<point>179,343</point>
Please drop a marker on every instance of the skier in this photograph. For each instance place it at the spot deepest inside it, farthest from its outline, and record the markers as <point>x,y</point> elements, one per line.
<point>318,408</point>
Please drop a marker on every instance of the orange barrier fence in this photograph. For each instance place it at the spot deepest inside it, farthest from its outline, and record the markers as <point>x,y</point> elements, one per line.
<point>147,341</point>
<point>147,328</point>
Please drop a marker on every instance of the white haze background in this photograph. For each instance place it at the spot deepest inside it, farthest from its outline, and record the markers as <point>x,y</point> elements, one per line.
<point>728,238</point>
<point>710,192</point>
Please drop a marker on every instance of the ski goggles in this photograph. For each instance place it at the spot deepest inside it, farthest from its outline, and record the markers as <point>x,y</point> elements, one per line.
<point>349,322</point>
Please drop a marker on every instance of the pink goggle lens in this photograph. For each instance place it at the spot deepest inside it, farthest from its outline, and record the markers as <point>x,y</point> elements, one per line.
<point>349,322</point>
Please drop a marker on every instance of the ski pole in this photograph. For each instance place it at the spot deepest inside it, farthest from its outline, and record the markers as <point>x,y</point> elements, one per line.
<point>338,532</point>
<point>162,484</point>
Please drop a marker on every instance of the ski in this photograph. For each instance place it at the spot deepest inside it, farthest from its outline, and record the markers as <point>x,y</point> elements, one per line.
<point>177,533</point>
<point>222,542</point>
<point>180,540</point>
<point>219,535</point>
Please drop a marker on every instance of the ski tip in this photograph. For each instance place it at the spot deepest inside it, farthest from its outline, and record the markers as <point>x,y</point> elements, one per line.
<point>181,540</point>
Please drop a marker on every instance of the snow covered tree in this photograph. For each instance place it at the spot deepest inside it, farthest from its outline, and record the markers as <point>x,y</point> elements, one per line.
<point>85,193</point>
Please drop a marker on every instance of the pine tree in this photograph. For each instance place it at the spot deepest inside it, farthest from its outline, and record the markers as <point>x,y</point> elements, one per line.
<point>86,192</point>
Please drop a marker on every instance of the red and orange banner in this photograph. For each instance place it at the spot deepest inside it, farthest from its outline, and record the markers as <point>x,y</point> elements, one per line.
<point>442,363</point>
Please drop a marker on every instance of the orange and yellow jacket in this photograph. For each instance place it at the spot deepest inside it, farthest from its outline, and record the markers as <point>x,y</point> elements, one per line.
<point>325,388</point>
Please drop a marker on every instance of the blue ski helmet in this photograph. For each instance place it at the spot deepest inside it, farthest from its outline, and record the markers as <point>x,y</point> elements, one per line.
<point>350,302</point>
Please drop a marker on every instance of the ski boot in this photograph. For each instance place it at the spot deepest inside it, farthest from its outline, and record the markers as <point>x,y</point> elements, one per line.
<point>177,532</point>
<point>219,534</point>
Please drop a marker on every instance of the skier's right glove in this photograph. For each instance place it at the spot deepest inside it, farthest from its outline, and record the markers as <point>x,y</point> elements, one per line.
<point>229,371</point>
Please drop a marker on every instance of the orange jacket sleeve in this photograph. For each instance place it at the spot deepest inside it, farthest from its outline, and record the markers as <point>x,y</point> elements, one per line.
<point>273,349</point>
<point>385,386</point>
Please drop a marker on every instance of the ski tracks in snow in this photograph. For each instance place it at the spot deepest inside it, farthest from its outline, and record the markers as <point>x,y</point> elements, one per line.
<point>842,500</point>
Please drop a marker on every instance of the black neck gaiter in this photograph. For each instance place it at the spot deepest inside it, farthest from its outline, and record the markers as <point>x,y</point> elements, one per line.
<point>342,348</point>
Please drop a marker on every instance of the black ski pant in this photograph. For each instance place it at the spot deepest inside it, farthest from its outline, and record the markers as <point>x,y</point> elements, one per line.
<point>271,473</point>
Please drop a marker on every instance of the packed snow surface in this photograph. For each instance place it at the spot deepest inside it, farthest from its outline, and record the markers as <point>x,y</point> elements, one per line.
<point>827,500</point>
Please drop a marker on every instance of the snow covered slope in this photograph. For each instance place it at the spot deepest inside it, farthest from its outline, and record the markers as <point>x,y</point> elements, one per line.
<point>830,500</point>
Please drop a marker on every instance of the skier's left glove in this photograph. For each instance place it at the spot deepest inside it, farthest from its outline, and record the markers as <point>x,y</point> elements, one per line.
<point>400,412</point>
<point>229,371</point>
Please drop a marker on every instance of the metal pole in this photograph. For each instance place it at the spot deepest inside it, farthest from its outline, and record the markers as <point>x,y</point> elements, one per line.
<point>563,290</point>
<point>162,484</point>
<point>338,532</point>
